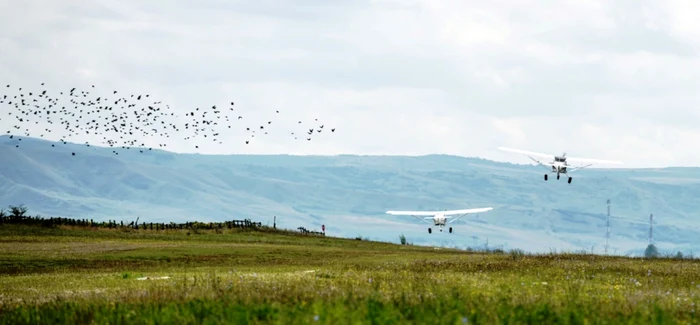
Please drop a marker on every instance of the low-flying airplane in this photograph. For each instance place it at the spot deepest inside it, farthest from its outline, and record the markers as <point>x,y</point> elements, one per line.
<point>439,217</point>
<point>559,164</point>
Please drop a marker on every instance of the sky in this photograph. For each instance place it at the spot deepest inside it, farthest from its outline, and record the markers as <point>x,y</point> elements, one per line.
<point>596,79</point>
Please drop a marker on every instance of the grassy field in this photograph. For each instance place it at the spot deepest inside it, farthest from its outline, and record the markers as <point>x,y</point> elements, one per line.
<point>67,275</point>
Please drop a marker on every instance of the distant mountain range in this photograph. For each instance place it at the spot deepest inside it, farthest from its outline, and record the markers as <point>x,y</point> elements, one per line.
<point>350,194</point>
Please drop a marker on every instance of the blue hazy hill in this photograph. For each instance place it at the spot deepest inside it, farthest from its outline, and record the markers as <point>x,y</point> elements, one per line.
<point>349,194</point>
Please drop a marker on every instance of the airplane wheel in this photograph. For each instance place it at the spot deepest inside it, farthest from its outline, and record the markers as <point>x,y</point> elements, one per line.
<point>557,177</point>
<point>430,230</point>
<point>569,180</point>
<point>450,229</point>
<point>545,177</point>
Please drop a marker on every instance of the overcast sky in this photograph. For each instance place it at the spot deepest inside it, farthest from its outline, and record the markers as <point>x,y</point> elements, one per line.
<point>596,79</point>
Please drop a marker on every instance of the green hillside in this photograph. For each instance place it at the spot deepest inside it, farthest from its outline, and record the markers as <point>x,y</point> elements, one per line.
<point>349,195</point>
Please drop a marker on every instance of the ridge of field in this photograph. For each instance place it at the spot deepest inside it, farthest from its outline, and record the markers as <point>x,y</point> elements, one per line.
<point>82,275</point>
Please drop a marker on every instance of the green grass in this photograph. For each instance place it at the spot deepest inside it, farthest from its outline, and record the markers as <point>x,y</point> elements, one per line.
<point>81,276</point>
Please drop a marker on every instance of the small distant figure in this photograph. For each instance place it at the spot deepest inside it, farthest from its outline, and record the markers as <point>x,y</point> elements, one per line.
<point>323,228</point>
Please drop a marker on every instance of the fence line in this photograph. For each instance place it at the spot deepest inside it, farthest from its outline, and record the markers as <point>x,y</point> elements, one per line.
<point>16,215</point>
<point>112,224</point>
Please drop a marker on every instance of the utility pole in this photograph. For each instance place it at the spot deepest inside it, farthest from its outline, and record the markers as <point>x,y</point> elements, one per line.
<point>274,222</point>
<point>607,234</point>
<point>651,235</point>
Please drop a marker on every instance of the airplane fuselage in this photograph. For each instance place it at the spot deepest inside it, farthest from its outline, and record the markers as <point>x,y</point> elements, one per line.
<point>559,165</point>
<point>440,220</point>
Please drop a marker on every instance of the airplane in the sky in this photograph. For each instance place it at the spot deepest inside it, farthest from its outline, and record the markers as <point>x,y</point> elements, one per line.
<point>559,164</point>
<point>439,217</point>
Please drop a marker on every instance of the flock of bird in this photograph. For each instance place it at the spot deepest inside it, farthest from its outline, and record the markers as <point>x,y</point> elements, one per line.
<point>121,120</point>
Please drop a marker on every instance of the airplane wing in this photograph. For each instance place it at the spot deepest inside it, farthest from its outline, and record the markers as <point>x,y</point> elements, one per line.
<point>525,152</point>
<point>571,169</point>
<point>430,214</point>
<point>594,161</point>
<point>464,213</point>
<point>415,214</point>
<point>530,154</point>
<point>542,155</point>
<point>547,166</point>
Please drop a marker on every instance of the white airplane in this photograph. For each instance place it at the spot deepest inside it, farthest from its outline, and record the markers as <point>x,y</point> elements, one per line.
<point>439,217</point>
<point>559,164</point>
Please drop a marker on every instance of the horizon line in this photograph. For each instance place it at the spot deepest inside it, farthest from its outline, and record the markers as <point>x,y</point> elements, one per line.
<point>161,150</point>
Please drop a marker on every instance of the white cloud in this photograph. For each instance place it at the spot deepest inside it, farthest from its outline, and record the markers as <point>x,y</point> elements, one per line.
<point>592,78</point>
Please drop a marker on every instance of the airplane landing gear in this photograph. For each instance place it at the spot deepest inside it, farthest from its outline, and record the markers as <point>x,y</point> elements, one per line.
<point>569,180</point>
<point>545,177</point>
<point>557,176</point>
<point>450,229</point>
<point>430,230</point>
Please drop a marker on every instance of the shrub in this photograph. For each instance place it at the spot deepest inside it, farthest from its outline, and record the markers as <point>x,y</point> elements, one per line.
<point>517,254</point>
